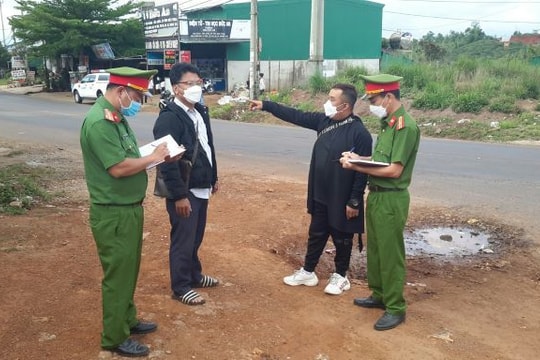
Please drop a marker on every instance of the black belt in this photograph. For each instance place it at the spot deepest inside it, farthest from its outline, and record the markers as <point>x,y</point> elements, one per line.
<point>376,188</point>
<point>123,205</point>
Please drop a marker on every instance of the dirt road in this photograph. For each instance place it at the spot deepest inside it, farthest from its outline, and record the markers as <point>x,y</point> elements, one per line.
<point>482,308</point>
<point>476,308</point>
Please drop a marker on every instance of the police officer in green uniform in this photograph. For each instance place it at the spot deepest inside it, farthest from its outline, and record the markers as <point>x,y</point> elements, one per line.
<point>116,178</point>
<point>387,205</point>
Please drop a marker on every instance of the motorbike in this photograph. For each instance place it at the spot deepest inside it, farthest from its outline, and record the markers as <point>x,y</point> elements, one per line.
<point>208,86</point>
<point>165,98</point>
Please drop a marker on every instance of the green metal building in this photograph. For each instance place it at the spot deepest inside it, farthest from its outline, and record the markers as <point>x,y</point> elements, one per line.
<point>352,37</point>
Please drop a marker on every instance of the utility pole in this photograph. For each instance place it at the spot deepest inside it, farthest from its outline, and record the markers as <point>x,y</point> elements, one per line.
<point>3,30</point>
<point>254,53</point>
<point>316,36</point>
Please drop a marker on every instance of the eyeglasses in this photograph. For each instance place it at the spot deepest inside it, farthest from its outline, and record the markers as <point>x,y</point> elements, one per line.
<point>191,83</point>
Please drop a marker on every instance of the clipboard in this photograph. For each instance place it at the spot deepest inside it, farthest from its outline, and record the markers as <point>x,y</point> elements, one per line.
<point>174,148</point>
<point>369,163</point>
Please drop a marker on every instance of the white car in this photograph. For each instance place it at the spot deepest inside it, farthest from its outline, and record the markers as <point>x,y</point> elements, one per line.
<point>91,86</point>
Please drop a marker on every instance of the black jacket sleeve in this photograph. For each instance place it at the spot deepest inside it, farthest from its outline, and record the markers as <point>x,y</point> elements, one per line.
<point>168,123</point>
<point>309,120</point>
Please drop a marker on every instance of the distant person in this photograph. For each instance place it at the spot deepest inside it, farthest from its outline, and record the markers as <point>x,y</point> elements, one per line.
<point>335,196</point>
<point>191,185</point>
<point>262,85</point>
<point>116,178</point>
<point>388,201</point>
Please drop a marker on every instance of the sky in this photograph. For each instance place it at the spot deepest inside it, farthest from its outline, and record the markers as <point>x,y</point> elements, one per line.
<point>495,17</point>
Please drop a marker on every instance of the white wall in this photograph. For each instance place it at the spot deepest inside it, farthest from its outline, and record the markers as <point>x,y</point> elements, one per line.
<point>281,75</point>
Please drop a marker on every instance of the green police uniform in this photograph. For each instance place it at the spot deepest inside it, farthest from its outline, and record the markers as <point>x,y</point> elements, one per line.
<point>116,214</point>
<point>388,206</point>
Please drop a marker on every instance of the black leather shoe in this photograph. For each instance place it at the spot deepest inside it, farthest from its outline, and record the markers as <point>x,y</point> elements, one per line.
<point>369,302</point>
<point>143,328</point>
<point>389,321</point>
<point>131,348</point>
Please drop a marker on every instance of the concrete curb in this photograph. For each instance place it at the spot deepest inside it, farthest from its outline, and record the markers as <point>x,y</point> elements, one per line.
<point>22,90</point>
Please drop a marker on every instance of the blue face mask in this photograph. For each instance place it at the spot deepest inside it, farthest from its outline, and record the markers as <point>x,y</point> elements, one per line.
<point>133,108</point>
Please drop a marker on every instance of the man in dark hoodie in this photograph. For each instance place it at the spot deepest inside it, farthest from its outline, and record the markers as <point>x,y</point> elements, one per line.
<point>335,197</point>
<point>189,182</point>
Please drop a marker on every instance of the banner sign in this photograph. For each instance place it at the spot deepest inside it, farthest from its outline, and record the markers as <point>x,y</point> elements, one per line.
<point>170,59</point>
<point>209,29</point>
<point>161,44</point>
<point>18,74</point>
<point>154,58</point>
<point>159,17</point>
<point>185,56</point>
<point>103,51</point>
<point>163,28</point>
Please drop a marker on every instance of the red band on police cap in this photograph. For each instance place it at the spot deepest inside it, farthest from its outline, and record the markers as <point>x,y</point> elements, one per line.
<point>375,88</point>
<point>136,83</point>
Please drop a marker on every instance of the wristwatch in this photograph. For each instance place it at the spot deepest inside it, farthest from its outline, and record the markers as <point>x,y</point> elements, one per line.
<point>353,203</point>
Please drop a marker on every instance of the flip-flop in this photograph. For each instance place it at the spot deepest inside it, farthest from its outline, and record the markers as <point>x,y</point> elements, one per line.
<point>190,298</point>
<point>207,281</point>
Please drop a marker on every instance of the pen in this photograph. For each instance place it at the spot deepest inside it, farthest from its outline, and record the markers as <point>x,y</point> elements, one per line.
<point>352,149</point>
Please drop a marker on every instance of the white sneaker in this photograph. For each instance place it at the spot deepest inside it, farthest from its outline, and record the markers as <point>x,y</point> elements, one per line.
<point>301,277</point>
<point>337,284</point>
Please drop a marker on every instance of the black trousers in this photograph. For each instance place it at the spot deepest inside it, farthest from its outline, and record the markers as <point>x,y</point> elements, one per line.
<point>319,231</point>
<point>186,238</point>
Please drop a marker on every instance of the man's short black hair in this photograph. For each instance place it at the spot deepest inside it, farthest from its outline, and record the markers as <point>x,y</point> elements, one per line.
<point>349,93</point>
<point>179,69</point>
<point>396,93</point>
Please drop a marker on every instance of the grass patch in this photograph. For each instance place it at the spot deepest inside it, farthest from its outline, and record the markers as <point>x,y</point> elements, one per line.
<point>504,104</point>
<point>22,184</point>
<point>524,126</point>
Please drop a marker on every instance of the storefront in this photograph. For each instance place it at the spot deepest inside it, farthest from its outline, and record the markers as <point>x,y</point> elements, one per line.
<point>202,42</point>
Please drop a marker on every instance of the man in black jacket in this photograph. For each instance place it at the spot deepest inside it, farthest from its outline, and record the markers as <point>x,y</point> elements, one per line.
<point>189,183</point>
<point>335,197</point>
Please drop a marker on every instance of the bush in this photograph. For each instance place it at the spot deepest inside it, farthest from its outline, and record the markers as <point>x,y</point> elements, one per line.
<point>530,88</point>
<point>435,96</point>
<point>20,182</point>
<point>350,75</point>
<point>471,101</point>
<point>505,104</point>
<point>318,84</point>
<point>223,112</point>
<point>415,76</point>
<point>466,67</point>
<point>282,97</point>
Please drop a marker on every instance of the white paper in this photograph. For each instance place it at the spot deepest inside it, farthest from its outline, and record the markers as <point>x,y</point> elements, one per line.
<point>174,148</point>
<point>368,162</point>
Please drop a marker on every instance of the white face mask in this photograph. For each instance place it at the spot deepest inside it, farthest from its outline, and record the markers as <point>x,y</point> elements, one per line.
<point>378,111</point>
<point>193,94</point>
<point>329,109</point>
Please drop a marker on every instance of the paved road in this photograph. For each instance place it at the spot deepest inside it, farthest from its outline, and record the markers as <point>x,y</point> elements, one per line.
<point>495,179</point>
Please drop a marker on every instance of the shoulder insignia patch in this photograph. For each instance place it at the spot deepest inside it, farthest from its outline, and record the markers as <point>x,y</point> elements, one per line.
<point>401,123</point>
<point>111,116</point>
<point>392,121</point>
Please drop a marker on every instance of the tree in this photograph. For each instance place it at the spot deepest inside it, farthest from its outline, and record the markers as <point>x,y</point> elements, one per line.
<point>4,56</point>
<point>431,50</point>
<point>50,28</point>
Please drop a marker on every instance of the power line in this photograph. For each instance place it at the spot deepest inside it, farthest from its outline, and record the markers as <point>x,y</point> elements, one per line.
<point>463,19</point>
<point>473,2</point>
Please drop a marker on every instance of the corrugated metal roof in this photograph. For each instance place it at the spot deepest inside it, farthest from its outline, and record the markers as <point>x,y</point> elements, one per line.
<point>193,5</point>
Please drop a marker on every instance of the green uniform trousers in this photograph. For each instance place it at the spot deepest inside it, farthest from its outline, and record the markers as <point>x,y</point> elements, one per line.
<point>386,215</point>
<point>117,231</point>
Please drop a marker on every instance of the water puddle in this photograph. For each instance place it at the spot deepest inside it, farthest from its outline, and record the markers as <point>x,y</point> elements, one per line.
<point>447,241</point>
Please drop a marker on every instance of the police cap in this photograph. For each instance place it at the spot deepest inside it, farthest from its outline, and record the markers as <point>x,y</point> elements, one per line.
<point>380,83</point>
<point>131,77</point>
